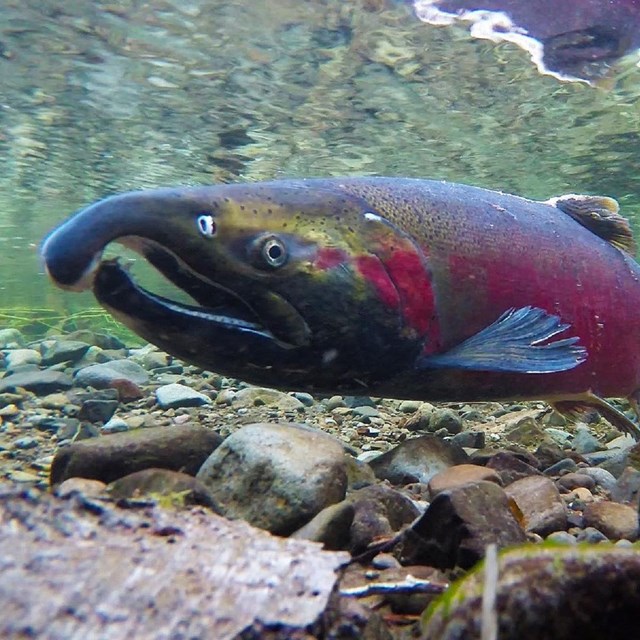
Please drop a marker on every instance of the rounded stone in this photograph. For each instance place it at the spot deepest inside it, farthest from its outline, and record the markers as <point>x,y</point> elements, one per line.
<point>614,520</point>
<point>461,474</point>
<point>276,476</point>
<point>172,396</point>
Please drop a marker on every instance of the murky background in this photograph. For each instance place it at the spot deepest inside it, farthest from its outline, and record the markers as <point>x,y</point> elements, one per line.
<point>100,97</point>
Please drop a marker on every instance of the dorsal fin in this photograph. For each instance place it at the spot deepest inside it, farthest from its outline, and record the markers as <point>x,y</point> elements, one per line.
<point>600,215</point>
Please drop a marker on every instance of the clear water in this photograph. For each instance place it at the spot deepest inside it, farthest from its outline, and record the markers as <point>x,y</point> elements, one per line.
<point>98,97</point>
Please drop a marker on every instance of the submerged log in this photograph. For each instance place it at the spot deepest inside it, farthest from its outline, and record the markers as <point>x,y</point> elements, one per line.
<point>84,568</point>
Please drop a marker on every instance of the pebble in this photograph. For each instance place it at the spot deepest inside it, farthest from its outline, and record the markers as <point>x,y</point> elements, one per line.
<point>261,396</point>
<point>627,488</point>
<point>172,396</point>
<point>306,398</point>
<point>27,442</point>
<point>409,406</point>
<point>561,537</point>
<point>114,425</point>
<point>585,442</point>
<point>560,436</point>
<point>334,402</point>
<point>566,464</point>
<point>24,476</point>
<point>445,419</point>
<point>470,439</point>
<point>19,357</point>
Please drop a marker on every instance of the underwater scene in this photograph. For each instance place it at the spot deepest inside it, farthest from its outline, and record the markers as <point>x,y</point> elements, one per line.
<point>318,319</point>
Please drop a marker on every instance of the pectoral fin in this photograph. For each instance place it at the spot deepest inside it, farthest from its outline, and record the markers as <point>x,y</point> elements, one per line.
<point>517,342</point>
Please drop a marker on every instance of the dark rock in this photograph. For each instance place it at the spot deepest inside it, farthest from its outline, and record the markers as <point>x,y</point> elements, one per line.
<point>306,398</point>
<point>172,396</point>
<point>459,524</point>
<point>566,464</point>
<point>358,401</point>
<point>461,474</point>
<point>379,511</point>
<point>85,431</point>
<point>108,458</point>
<point>97,410</point>
<point>331,527</point>
<point>276,476</point>
<point>548,454</point>
<point>56,351</point>
<point>101,376</point>
<point>510,467</point>
<point>627,487</point>
<point>26,442</point>
<point>41,381</point>
<point>572,481</point>
<point>445,419</point>
<point>365,412</point>
<point>558,593</point>
<point>417,460</point>
<point>540,503</point>
<point>615,520</point>
<point>470,439</point>
<point>167,487</point>
<point>102,340</point>
<point>591,535</point>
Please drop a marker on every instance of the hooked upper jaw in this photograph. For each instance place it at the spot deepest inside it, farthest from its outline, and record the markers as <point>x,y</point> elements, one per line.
<point>273,295</point>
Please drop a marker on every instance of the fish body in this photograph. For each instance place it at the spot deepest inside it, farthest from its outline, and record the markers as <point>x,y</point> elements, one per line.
<point>397,287</point>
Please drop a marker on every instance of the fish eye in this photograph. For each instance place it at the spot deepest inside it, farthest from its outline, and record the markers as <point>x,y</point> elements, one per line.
<point>206,225</point>
<point>272,252</point>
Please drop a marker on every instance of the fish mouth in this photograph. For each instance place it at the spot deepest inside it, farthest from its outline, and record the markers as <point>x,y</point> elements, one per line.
<point>215,306</point>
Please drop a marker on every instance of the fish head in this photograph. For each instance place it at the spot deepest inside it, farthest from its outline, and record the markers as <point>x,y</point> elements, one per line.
<point>294,283</point>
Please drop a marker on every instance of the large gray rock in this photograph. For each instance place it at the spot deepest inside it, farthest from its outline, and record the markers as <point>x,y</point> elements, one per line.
<point>261,396</point>
<point>100,376</point>
<point>276,476</point>
<point>417,460</point>
<point>40,382</point>
<point>55,351</point>
<point>107,458</point>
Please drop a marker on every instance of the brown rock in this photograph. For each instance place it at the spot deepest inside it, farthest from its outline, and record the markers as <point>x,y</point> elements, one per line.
<point>539,501</point>
<point>511,468</point>
<point>459,524</point>
<point>107,458</point>
<point>83,486</point>
<point>616,521</point>
<point>572,481</point>
<point>461,474</point>
<point>171,488</point>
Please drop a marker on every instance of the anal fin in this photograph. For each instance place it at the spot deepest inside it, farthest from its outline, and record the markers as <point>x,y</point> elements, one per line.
<point>577,405</point>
